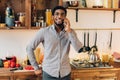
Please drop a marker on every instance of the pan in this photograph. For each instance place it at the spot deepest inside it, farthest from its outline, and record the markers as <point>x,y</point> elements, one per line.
<point>94,47</point>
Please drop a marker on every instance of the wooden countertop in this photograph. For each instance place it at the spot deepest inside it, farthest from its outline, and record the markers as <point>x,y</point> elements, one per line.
<point>5,72</point>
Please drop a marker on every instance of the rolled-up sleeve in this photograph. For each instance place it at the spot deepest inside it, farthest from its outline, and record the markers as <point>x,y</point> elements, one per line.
<point>74,40</point>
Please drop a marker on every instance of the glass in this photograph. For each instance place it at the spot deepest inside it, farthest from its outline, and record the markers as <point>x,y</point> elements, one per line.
<point>105,58</point>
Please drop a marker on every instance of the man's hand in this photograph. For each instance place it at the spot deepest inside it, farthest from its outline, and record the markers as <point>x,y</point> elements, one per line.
<point>67,25</point>
<point>38,72</point>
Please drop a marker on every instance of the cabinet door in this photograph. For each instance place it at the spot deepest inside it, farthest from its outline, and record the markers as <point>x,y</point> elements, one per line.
<point>85,75</point>
<point>25,77</point>
<point>108,75</point>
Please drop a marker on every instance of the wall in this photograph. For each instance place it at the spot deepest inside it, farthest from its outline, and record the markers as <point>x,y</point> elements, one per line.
<point>13,42</point>
<point>97,19</point>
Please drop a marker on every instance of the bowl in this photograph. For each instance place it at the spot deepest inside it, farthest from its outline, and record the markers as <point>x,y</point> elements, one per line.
<point>73,3</point>
<point>2,25</point>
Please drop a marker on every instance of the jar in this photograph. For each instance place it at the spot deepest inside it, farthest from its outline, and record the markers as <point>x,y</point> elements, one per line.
<point>9,18</point>
<point>98,4</point>
<point>48,17</point>
<point>41,20</point>
<point>22,19</point>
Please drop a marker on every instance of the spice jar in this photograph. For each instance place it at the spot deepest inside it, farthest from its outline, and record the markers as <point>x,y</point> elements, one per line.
<point>22,18</point>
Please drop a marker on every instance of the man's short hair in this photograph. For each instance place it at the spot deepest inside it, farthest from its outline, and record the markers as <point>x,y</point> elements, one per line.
<point>59,7</point>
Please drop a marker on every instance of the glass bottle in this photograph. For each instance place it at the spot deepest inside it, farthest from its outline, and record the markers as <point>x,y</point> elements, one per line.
<point>48,17</point>
<point>9,17</point>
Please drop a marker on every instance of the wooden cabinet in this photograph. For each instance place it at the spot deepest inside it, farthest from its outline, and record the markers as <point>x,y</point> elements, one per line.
<point>26,6</point>
<point>96,74</point>
<point>19,7</point>
<point>25,75</point>
<point>6,74</point>
<point>76,74</point>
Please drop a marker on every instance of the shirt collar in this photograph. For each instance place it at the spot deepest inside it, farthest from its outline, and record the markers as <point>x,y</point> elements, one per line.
<point>53,27</point>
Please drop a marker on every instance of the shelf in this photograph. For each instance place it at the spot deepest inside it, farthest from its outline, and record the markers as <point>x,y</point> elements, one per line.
<point>108,9</point>
<point>117,28</point>
<point>105,9</point>
<point>14,28</point>
<point>35,27</point>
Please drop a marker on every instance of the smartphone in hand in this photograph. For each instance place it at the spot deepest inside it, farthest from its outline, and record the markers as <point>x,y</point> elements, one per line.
<point>62,25</point>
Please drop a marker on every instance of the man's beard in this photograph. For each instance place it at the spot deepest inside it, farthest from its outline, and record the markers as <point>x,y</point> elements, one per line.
<point>61,26</point>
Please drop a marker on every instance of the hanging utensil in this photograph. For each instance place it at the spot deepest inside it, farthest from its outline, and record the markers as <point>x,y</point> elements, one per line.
<point>76,15</point>
<point>95,46</point>
<point>88,47</point>
<point>83,49</point>
<point>110,41</point>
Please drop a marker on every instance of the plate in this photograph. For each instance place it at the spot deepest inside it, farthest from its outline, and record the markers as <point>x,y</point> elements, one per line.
<point>116,60</point>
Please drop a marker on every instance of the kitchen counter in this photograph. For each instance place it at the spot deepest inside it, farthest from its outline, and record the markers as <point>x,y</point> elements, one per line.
<point>76,74</point>
<point>6,74</point>
<point>110,73</point>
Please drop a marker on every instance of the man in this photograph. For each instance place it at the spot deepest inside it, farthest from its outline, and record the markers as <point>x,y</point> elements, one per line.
<point>56,40</point>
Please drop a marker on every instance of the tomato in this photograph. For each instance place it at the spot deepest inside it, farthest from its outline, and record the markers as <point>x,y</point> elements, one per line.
<point>17,65</point>
<point>12,64</point>
<point>29,67</point>
<point>6,64</point>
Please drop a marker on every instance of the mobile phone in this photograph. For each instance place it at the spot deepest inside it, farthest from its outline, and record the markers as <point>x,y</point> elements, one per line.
<point>62,25</point>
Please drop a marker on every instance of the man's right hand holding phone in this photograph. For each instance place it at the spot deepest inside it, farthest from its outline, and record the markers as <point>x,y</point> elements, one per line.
<point>67,25</point>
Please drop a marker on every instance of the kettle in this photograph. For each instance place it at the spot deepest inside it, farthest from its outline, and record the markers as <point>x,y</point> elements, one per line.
<point>93,56</point>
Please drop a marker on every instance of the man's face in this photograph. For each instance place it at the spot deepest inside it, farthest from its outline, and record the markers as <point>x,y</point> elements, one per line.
<point>59,17</point>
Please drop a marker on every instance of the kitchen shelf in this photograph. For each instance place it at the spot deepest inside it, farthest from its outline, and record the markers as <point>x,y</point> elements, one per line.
<point>105,9</point>
<point>14,28</point>
<point>35,27</point>
<point>26,7</point>
<point>108,9</point>
<point>118,28</point>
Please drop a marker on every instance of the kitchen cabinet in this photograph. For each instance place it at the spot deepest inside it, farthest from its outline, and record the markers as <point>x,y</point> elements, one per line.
<point>96,74</point>
<point>103,73</point>
<point>38,11</point>
<point>110,73</point>
<point>18,7</point>
<point>36,8</point>
<point>76,74</point>
<point>6,74</point>
<point>26,6</point>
